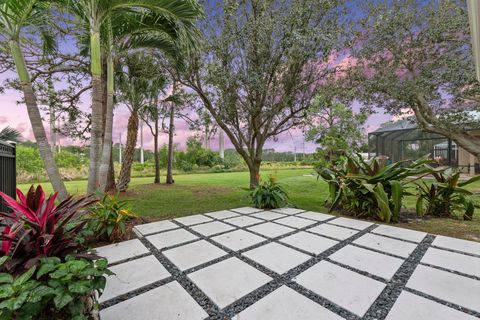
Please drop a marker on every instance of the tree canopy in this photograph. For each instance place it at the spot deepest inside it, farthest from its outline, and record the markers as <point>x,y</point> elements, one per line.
<point>412,55</point>
<point>259,65</point>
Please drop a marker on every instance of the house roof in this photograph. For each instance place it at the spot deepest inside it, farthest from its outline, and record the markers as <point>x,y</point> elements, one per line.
<point>404,124</point>
<point>410,124</point>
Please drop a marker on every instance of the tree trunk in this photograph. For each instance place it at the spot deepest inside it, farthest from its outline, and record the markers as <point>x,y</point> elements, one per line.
<point>156,153</point>
<point>254,169</point>
<point>171,130</point>
<point>51,102</point>
<point>36,122</point>
<point>428,122</point>
<point>107,136</point>
<point>125,171</point>
<point>96,123</point>
<point>111,187</point>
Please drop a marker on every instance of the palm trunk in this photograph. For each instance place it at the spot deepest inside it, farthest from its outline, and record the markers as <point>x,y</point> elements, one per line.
<point>156,153</point>
<point>96,123</point>
<point>111,186</point>
<point>125,171</point>
<point>107,139</point>
<point>171,129</point>
<point>51,110</point>
<point>36,122</point>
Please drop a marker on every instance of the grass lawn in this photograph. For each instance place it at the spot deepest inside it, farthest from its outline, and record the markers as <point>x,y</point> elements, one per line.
<point>200,193</point>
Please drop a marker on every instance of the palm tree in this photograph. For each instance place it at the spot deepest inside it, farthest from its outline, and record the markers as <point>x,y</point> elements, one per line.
<point>15,16</point>
<point>10,134</point>
<point>96,14</point>
<point>151,113</point>
<point>131,30</point>
<point>136,87</point>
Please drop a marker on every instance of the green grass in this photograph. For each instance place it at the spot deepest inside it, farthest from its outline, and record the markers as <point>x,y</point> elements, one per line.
<point>199,193</point>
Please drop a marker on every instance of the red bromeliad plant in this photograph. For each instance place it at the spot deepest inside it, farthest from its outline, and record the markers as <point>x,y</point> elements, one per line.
<point>38,228</point>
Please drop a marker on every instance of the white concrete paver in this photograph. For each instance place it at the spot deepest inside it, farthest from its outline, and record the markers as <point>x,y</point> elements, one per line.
<point>277,257</point>
<point>171,238</point>
<point>309,242</point>
<point>400,233</point>
<point>211,228</point>
<point>317,216</point>
<point>288,211</point>
<point>154,227</point>
<point>224,214</point>
<point>243,221</point>
<point>397,247</point>
<point>332,231</point>
<point>238,240</point>
<point>121,251</point>
<point>193,254</point>
<point>127,276</point>
<point>410,306</point>
<point>246,210</point>
<point>286,304</point>
<point>457,244</point>
<point>267,215</point>
<point>169,301</point>
<point>229,280</point>
<point>191,220</point>
<point>346,288</point>
<point>270,230</point>
<point>351,223</point>
<point>337,279</point>
<point>295,222</point>
<point>452,261</point>
<point>446,286</point>
<point>369,261</point>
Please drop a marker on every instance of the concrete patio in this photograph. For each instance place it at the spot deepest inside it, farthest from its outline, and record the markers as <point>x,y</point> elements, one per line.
<point>289,264</point>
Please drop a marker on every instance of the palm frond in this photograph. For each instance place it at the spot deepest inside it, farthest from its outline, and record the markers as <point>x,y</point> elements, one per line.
<point>10,134</point>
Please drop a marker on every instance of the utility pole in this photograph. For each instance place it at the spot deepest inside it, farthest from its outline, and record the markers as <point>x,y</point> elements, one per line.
<point>294,147</point>
<point>221,143</point>
<point>120,148</point>
<point>142,160</point>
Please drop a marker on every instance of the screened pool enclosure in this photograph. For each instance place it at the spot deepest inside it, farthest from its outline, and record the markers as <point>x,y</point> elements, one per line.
<point>403,140</point>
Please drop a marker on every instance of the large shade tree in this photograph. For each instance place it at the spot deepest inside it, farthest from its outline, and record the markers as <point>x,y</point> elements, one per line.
<point>17,16</point>
<point>259,67</point>
<point>412,55</point>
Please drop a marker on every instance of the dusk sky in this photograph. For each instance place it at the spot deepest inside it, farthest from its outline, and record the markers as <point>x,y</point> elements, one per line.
<point>15,115</point>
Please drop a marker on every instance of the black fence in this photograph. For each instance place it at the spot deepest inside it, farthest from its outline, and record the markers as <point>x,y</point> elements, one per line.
<point>8,173</point>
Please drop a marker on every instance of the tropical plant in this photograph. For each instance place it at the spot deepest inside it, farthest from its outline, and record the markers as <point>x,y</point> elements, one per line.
<point>269,195</point>
<point>10,134</point>
<point>371,188</point>
<point>34,15</point>
<point>54,289</point>
<point>38,228</point>
<point>446,196</point>
<point>108,217</point>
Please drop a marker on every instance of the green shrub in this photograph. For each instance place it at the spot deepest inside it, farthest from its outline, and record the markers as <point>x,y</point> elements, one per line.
<point>371,189</point>
<point>53,289</point>
<point>67,159</point>
<point>269,195</point>
<point>445,197</point>
<point>108,217</point>
<point>29,161</point>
